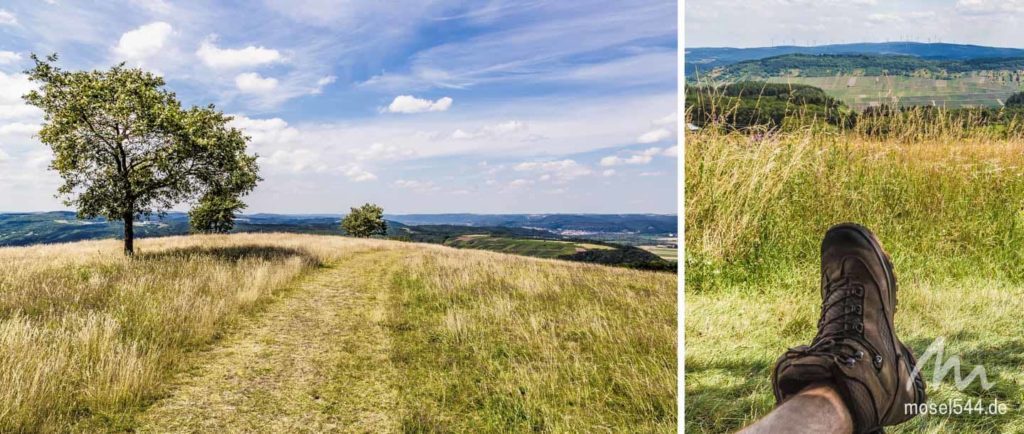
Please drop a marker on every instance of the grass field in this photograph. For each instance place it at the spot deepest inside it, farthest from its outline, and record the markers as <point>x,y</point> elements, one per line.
<point>864,91</point>
<point>303,333</point>
<point>524,246</point>
<point>948,210</point>
<point>667,253</point>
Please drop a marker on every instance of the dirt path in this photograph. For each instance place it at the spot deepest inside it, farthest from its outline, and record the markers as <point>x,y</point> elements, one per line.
<point>315,361</point>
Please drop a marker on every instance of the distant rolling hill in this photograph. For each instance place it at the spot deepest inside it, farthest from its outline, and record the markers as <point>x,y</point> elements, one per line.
<point>704,59</point>
<point>573,224</point>
<point>831,65</point>
<point>578,237</point>
<point>20,229</point>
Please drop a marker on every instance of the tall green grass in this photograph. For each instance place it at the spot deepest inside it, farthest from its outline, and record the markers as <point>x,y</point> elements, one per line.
<point>947,201</point>
<point>943,208</point>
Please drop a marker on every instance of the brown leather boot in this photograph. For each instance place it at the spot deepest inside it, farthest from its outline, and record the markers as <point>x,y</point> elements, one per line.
<point>856,348</point>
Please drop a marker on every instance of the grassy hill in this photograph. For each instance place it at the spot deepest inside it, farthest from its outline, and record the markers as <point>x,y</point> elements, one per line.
<point>946,202</point>
<point>536,243</point>
<point>285,333</point>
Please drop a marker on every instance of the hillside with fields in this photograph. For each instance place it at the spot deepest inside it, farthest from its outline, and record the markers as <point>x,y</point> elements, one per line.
<point>702,60</point>
<point>306,333</point>
<point>872,75</point>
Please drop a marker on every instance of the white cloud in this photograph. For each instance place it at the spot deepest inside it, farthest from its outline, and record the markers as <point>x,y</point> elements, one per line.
<point>159,7</point>
<point>358,174</point>
<point>671,151</point>
<point>884,19</point>
<point>12,107</point>
<point>19,129</point>
<point>608,172</point>
<point>667,120</point>
<point>563,170</point>
<point>7,18</point>
<point>266,132</point>
<point>411,104</point>
<point>420,186</point>
<point>520,183</point>
<point>642,157</point>
<point>459,134</point>
<point>321,83</point>
<point>9,57</point>
<point>989,7</point>
<point>229,58</point>
<point>380,151</point>
<point>491,131</point>
<point>298,160</point>
<point>143,42</point>
<point>654,136</point>
<point>251,82</point>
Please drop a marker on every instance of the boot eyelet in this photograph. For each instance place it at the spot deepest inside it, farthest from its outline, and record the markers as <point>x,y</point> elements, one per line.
<point>859,327</point>
<point>858,309</point>
<point>859,355</point>
<point>878,361</point>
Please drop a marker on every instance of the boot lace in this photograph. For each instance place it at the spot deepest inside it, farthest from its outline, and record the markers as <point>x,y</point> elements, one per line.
<point>840,325</point>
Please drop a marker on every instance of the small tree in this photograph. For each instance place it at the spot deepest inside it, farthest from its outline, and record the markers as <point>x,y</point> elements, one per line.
<point>126,148</point>
<point>215,213</point>
<point>365,221</point>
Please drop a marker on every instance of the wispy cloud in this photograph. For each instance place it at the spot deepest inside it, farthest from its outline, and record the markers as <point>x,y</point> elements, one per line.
<point>368,94</point>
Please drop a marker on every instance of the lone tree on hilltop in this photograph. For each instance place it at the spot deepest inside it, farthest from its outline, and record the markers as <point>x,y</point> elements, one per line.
<point>365,221</point>
<point>126,148</point>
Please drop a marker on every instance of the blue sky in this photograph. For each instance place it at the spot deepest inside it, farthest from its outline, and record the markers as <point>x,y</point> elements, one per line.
<point>760,23</point>
<point>421,106</point>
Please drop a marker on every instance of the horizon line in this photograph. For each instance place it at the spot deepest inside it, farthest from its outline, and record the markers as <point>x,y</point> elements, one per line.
<point>850,43</point>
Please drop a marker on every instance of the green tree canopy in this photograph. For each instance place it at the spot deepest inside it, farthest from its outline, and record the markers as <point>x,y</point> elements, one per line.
<point>126,148</point>
<point>365,221</point>
<point>215,213</point>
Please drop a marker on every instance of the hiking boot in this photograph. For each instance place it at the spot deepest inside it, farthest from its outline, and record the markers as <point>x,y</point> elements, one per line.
<point>856,349</point>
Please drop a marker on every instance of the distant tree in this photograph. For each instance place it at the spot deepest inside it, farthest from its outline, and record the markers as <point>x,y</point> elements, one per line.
<point>215,213</point>
<point>1015,100</point>
<point>365,221</point>
<point>126,148</point>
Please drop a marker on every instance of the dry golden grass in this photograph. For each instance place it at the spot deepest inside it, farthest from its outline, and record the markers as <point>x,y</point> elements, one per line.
<point>478,341</point>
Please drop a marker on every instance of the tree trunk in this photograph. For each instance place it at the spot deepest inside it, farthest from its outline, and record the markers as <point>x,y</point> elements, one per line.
<point>129,233</point>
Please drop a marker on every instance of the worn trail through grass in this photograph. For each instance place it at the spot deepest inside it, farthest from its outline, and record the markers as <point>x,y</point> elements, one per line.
<point>315,361</point>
